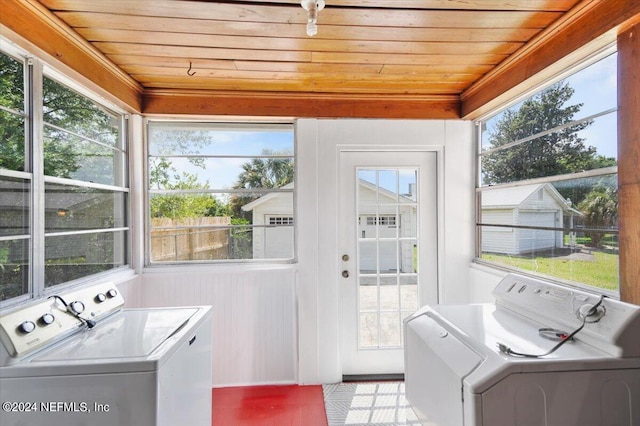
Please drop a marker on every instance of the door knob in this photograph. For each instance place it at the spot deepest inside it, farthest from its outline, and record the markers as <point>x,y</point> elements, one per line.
<point>345,257</point>
<point>345,274</point>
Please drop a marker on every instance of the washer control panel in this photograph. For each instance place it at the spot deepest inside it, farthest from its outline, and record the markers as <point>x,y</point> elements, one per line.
<point>36,325</point>
<point>610,325</point>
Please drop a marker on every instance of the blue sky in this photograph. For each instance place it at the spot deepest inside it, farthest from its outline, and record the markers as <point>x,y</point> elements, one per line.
<point>596,88</point>
<point>221,173</point>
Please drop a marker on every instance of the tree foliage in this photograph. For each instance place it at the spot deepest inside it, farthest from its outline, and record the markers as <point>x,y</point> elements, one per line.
<point>164,175</point>
<point>64,111</point>
<point>266,172</point>
<point>600,208</point>
<point>12,148</point>
<point>556,153</point>
<point>261,173</point>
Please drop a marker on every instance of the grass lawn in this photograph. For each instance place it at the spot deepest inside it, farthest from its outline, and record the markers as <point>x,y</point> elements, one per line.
<point>601,272</point>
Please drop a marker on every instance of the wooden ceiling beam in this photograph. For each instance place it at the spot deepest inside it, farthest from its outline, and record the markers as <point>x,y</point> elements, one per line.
<point>31,21</point>
<point>550,51</point>
<point>299,105</point>
<point>310,86</point>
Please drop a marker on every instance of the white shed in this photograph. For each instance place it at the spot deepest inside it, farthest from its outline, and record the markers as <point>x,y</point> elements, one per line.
<point>539,205</point>
<point>273,225</point>
<point>382,216</point>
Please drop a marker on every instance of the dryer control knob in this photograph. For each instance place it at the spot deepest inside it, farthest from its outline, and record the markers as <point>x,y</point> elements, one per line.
<point>112,293</point>
<point>77,307</point>
<point>47,319</point>
<point>27,327</point>
<point>100,297</point>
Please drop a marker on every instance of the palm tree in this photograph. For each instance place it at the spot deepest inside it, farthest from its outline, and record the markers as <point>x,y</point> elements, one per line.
<point>600,208</point>
<point>268,172</point>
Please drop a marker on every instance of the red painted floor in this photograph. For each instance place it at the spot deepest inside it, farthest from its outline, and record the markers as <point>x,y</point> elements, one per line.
<point>269,405</point>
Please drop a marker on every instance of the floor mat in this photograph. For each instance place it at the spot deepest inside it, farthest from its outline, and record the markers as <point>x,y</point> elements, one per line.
<point>367,403</point>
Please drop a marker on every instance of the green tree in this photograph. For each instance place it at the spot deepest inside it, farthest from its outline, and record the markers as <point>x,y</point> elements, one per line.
<point>551,154</point>
<point>12,149</point>
<point>64,111</point>
<point>164,175</point>
<point>261,173</point>
<point>600,208</point>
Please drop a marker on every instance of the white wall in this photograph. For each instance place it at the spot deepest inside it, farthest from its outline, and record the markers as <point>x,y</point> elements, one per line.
<point>280,324</point>
<point>254,317</point>
<point>318,147</point>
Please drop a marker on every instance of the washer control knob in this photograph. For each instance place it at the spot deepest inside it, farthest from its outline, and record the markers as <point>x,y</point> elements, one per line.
<point>112,293</point>
<point>100,297</point>
<point>77,307</point>
<point>47,319</point>
<point>27,327</point>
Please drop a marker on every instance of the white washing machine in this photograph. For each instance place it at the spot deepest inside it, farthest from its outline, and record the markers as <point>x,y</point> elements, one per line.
<point>488,364</point>
<point>81,359</point>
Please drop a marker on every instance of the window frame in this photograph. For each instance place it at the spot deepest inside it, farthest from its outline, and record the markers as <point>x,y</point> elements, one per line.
<point>480,187</point>
<point>201,122</point>
<point>35,71</point>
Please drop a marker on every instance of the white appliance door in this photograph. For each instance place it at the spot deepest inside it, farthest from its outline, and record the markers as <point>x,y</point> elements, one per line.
<point>436,363</point>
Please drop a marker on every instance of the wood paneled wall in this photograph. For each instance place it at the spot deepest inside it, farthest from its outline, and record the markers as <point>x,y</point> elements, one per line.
<point>629,163</point>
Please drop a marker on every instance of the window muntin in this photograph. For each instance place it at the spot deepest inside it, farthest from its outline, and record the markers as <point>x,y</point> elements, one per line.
<point>547,191</point>
<point>212,188</point>
<point>78,203</point>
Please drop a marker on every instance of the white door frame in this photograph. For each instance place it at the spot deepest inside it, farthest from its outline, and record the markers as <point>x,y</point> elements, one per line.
<point>440,245</point>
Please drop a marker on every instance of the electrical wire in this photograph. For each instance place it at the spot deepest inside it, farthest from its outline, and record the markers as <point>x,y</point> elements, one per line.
<point>70,311</point>
<point>564,338</point>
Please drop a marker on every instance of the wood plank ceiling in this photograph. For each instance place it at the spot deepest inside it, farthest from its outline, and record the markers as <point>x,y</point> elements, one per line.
<point>367,48</point>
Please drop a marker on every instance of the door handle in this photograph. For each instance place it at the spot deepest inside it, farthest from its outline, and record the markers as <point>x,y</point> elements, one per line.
<point>345,274</point>
<point>345,257</point>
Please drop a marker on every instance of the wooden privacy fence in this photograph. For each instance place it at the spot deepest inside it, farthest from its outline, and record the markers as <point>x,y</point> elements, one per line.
<point>189,239</point>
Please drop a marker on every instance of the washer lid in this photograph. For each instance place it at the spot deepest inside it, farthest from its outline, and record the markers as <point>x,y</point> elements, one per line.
<point>482,326</point>
<point>132,333</point>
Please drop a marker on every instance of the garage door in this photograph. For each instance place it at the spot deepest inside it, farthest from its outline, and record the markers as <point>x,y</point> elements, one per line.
<point>536,239</point>
<point>278,237</point>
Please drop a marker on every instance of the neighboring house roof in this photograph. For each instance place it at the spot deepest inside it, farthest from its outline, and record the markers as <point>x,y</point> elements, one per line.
<point>514,196</point>
<point>252,205</point>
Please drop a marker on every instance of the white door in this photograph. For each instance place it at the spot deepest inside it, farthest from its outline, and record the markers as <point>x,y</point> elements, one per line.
<point>388,242</point>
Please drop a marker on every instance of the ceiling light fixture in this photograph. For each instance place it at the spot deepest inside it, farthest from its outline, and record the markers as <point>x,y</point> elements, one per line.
<point>312,7</point>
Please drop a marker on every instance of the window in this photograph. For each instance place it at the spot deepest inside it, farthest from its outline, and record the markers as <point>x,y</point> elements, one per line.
<point>547,193</point>
<point>63,183</point>
<point>381,220</point>
<point>281,220</point>
<point>220,192</point>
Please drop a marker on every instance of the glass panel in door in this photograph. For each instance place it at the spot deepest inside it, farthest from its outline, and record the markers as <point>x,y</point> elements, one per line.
<point>387,211</point>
